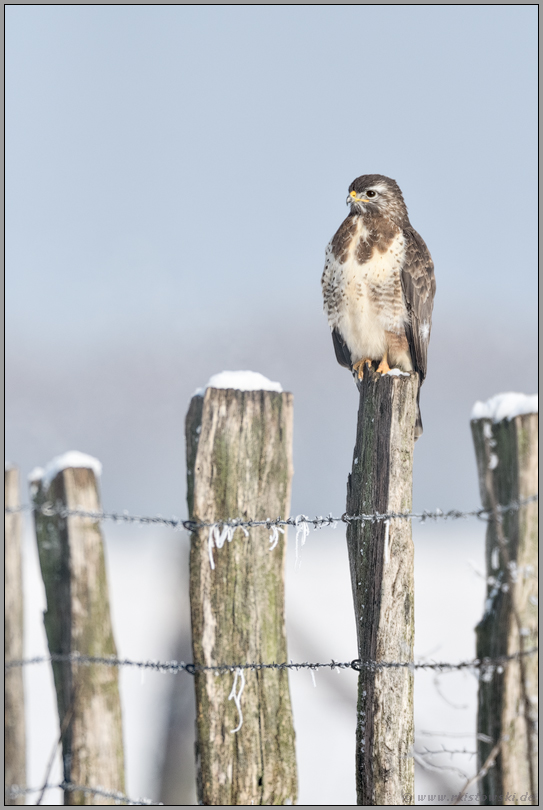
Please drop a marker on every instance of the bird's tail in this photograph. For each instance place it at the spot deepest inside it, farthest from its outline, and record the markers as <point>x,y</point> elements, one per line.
<point>418,421</point>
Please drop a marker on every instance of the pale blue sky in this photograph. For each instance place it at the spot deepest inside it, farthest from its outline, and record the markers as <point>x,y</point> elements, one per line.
<point>173,176</point>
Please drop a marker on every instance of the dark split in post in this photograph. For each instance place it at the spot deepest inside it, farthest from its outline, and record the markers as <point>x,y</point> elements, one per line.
<point>382,573</point>
<point>78,619</point>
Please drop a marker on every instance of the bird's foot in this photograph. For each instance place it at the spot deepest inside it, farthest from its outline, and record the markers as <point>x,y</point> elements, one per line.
<point>383,367</point>
<point>359,366</point>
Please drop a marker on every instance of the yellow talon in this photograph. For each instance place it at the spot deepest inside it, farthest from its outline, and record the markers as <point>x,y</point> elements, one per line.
<point>383,367</point>
<point>359,366</point>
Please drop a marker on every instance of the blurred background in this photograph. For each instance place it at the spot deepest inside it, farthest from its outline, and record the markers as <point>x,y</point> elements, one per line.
<point>173,175</point>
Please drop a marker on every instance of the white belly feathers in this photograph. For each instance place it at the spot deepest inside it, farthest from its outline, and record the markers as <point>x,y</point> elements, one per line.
<point>363,301</point>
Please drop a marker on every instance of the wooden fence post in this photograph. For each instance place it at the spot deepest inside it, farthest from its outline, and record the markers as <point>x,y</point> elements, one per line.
<point>381,560</point>
<point>507,452</point>
<point>14,720</point>
<point>239,464</point>
<point>78,619</point>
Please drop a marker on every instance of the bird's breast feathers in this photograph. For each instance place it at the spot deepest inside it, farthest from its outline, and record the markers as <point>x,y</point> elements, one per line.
<point>362,287</point>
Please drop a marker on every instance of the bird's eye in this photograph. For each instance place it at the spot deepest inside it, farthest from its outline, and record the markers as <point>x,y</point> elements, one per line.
<point>371,193</point>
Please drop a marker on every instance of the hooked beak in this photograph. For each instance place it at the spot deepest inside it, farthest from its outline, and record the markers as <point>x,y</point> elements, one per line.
<point>354,198</point>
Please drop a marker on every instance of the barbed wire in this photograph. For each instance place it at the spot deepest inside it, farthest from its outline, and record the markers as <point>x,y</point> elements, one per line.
<point>51,510</point>
<point>220,532</point>
<point>422,759</point>
<point>431,766</point>
<point>455,734</point>
<point>451,751</point>
<point>488,764</point>
<point>484,664</point>
<point>13,791</point>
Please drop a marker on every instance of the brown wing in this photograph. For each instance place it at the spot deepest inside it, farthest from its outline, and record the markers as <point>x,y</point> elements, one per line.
<point>419,288</point>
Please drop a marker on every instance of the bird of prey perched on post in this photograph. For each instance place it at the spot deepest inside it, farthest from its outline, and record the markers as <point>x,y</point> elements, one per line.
<point>378,284</point>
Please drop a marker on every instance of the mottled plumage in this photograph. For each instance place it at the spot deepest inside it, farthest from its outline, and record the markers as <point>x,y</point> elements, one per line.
<point>378,283</point>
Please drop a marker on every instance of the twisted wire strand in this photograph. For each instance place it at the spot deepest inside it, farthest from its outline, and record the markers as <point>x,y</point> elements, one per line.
<point>58,510</point>
<point>484,664</point>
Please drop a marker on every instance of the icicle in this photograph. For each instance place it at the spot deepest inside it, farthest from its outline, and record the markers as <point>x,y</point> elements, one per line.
<point>302,531</point>
<point>217,538</point>
<point>387,532</point>
<point>237,697</point>
<point>274,536</point>
<point>222,536</point>
<point>210,547</point>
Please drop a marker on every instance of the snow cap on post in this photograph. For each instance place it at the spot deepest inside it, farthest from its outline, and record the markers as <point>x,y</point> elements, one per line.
<point>240,381</point>
<point>72,459</point>
<point>505,406</point>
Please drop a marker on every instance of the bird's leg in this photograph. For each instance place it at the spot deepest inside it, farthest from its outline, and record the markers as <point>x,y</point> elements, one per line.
<point>383,367</point>
<point>359,366</point>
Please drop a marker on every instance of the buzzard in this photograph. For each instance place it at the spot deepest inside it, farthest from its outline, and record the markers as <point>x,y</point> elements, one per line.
<point>378,284</point>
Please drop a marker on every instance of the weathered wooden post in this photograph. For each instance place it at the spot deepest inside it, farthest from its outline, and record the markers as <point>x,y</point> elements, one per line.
<point>78,619</point>
<point>14,720</point>
<point>381,560</point>
<point>239,465</point>
<point>505,434</point>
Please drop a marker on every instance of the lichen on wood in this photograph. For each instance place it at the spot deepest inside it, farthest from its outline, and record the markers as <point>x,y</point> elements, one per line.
<point>239,464</point>
<point>507,458</point>
<point>78,619</point>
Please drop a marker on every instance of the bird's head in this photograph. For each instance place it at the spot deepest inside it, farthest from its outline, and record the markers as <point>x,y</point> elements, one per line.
<point>376,194</point>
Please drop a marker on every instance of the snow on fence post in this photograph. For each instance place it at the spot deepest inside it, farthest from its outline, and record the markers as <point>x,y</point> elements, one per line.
<point>14,720</point>
<point>239,465</point>
<point>381,560</point>
<point>78,619</point>
<point>505,435</point>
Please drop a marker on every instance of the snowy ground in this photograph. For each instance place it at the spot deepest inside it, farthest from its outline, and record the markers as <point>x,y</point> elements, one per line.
<point>148,585</point>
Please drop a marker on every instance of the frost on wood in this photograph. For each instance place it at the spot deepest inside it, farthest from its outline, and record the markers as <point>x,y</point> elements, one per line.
<point>240,381</point>
<point>239,451</point>
<point>78,619</point>
<point>14,720</point>
<point>381,561</point>
<point>506,448</point>
<point>395,372</point>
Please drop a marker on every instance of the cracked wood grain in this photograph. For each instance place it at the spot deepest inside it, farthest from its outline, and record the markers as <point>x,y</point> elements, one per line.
<point>239,464</point>
<point>381,560</point>
<point>507,464</point>
<point>77,619</point>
